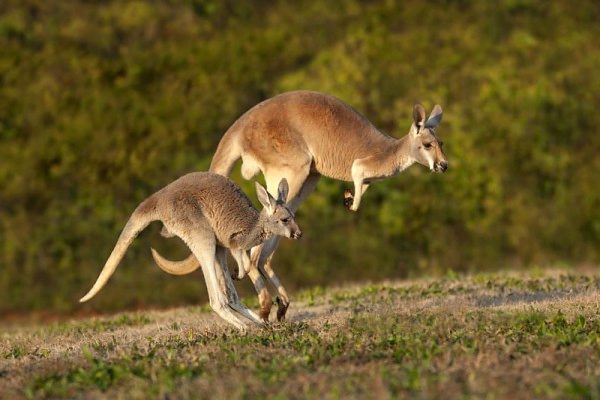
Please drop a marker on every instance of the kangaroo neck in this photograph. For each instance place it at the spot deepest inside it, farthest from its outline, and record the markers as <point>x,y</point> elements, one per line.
<point>402,153</point>
<point>256,235</point>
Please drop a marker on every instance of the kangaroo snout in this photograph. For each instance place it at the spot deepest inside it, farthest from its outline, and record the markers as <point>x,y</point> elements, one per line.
<point>296,234</point>
<point>442,166</point>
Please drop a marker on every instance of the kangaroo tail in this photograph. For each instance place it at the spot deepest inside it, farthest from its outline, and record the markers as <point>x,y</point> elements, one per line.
<point>182,267</point>
<point>137,222</point>
<point>228,152</point>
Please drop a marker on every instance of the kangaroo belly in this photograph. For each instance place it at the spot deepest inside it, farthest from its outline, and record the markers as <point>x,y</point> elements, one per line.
<point>273,146</point>
<point>334,166</point>
<point>297,150</point>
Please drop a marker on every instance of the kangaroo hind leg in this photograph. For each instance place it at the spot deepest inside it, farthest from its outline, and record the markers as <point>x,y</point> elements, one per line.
<point>204,248</point>
<point>250,166</point>
<point>225,281</point>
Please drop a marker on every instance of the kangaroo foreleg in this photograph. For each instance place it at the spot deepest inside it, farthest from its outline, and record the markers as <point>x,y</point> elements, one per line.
<point>243,262</point>
<point>349,197</point>
<point>359,177</point>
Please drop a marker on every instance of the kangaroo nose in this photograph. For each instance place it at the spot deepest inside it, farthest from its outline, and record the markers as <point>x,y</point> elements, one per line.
<point>297,235</point>
<point>444,166</point>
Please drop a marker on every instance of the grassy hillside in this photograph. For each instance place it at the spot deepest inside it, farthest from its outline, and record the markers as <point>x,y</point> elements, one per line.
<point>502,336</point>
<point>104,102</point>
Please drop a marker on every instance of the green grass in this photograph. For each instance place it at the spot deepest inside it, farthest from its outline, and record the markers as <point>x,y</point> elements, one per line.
<point>483,336</point>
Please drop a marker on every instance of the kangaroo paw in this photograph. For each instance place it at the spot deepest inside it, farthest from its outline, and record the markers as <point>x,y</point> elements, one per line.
<point>348,198</point>
<point>281,309</point>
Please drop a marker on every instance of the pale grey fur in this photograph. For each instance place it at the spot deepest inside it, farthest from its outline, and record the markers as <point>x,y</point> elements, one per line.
<point>209,213</point>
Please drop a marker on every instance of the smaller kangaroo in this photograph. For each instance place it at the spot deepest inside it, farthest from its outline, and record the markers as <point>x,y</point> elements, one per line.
<point>209,213</point>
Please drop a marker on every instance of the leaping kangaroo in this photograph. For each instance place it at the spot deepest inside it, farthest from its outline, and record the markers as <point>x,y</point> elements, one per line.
<point>302,135</point>
<point>209,213</point>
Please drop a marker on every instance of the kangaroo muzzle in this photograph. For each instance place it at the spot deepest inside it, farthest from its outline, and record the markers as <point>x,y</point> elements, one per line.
<point>441,166</point>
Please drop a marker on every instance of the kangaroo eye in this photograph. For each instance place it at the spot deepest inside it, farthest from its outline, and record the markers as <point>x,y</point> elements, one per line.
<point>285,220</point>
<point>427,145</point>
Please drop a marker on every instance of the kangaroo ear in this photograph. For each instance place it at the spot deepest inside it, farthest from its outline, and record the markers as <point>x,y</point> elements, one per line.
<point>435,117</point>
<point>282,191</point>
<point>264,197</point>
<point>419,115</point>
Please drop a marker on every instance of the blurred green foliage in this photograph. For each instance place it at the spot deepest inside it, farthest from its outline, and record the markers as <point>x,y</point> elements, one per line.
<point>103,102</point>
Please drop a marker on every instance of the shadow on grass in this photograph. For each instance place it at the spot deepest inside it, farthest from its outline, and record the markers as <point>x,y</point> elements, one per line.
<point>525,297</point>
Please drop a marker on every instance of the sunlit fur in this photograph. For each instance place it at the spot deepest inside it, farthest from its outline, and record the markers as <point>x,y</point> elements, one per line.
<point>303,135</point>
<point>209,213</point>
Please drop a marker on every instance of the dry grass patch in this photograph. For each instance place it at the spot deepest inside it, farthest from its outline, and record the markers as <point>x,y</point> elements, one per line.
<point>507,335</point>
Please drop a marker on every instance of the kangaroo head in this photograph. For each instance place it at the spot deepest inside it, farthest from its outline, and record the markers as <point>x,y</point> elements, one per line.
<point>276,215</point>
<point>425,147</point>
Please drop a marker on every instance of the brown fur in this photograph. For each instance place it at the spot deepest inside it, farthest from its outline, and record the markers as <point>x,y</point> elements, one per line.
<point>302,135</point>
<point>295,129</point>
